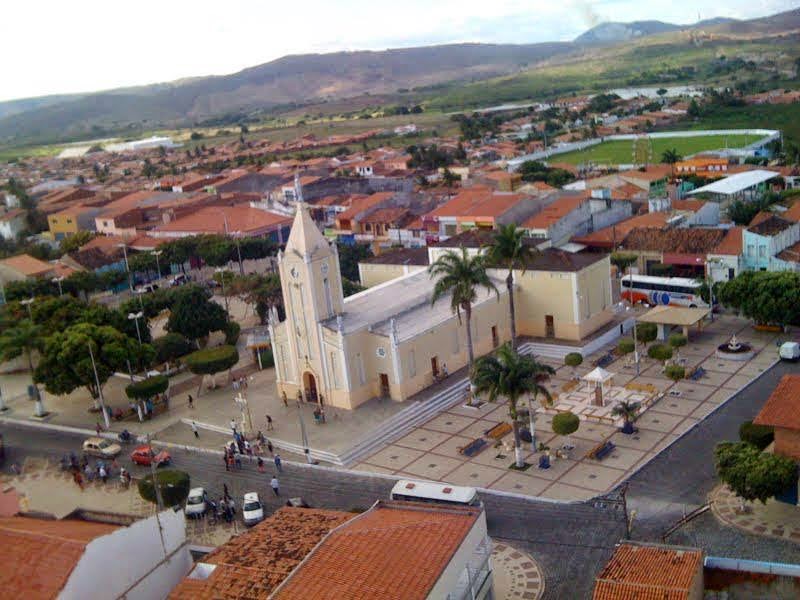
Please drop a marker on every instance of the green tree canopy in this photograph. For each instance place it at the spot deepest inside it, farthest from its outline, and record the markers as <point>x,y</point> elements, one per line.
<point>573,359</point>
<point>195,316</point>
<point>646,332</point>
<point>565,423</point>
<point>752,474</point>
<point>172,346</point>
<point>173,484</point>
<point>769,298</point>
<point>147,388</point>
<point>622,261</point>
<point>350,256</point>
<point>20,339</point>
<point>76,240</point>
<point>212,360</point>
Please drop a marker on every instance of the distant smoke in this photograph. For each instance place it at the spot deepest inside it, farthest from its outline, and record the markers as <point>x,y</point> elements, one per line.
<point>589,16</point>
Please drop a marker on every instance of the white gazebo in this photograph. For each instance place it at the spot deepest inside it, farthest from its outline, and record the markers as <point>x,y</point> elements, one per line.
<point>599,382</point>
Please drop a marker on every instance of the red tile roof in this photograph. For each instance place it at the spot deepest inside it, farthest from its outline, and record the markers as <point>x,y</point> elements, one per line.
<point>677,241</point>
<point>554,212</point>
<point>362,203</point>
<point>395,550</point>
<point>649,572</point>
<point>39,555</point>
<point>27,265</point>
<point>782,408</point>
<point>731,244</point>
<point>240,219</point>
<point>793,214</point>
<point>616,233</point>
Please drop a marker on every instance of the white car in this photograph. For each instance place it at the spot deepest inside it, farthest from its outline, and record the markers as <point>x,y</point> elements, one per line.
<point>196,502</point>
<point>790,351</point>
<point>252,509</point>
<point>101,448</point>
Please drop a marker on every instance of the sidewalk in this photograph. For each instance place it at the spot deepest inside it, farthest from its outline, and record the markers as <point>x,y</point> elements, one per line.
<point>773,519</point>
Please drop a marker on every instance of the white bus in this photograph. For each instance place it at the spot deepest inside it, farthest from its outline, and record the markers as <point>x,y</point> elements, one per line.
<point>425,491</point>
<point>678,291</point>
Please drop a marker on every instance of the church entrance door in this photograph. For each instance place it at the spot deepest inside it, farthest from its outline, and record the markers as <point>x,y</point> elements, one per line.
<point>310,387</point>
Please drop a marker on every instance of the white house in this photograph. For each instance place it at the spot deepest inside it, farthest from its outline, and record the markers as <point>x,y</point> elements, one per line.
<point>12,223</point>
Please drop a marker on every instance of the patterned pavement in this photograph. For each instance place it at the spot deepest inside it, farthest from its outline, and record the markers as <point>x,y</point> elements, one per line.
<point>773,519</point>
<point>516,574</point>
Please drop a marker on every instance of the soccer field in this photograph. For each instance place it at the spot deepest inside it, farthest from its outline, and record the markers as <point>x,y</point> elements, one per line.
<point>621,151</point>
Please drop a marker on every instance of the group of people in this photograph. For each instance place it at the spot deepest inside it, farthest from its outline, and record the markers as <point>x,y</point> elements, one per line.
<point>84,471</point>
<point>240,383</point>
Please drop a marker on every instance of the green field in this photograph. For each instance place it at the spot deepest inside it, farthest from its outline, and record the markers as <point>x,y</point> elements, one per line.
<point>621,151</point>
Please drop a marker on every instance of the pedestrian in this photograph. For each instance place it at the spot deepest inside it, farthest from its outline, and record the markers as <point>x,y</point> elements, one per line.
<point>194,428</point>
<point>233,426</point>
<point>236,385</point>
<point>225,495</point>
<point>260,465</point>
<point>269,423</point>
<point>248,449</point>
<point>191,402</point>
<point>278,463</point>
<point>285,399</point>
<point>97,427</point>
<point>244,382</point>
<point>240,445</point>
<point>275,485</point>
<point>103,473</point>
<point>78,479</point>
<point>238,461</point>
<point>227,460</point>
<point>269,447</point>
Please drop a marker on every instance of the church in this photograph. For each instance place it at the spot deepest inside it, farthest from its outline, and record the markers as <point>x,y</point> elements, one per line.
<point>389,341</point>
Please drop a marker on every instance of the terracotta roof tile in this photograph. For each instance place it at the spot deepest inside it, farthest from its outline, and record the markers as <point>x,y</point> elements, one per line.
<point>679,241</point>
<point>395,550</point>
<point>793,214</point>
<point>616,233</point>
<point>770,227</point>
<point>731,244</point>
<point>645,572</point>
<point>240,219</point>
<point>782,408</point>
<point>554,212</point>
<point>27,265</point>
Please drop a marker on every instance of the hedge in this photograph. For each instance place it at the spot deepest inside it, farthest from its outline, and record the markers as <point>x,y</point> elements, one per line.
<point>573,359</point>
<point>760,436</point>
<point>212,360</point>
<point>675,372</point>
<point>659,352</point>
<point>174,486</point>
<point>676,340</point>
<point>646,332</point>
<point>626,346</point>
<point>565,423</point>
<point>232,330</point>
<point>171,347</point>
<point>147,388</point>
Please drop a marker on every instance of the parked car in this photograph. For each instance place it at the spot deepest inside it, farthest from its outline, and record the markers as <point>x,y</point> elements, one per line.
<point>144,455</point>
<point>179,279</point>
<point>101,448</point>
<point>146,288</point>
<point>790,351</point>
<point>197,502</point>
<point>252,509</point>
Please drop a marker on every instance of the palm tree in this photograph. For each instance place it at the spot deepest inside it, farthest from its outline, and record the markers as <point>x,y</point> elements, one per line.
<point>670,157</point>
<point>628,412</point>
<point>461,275</point>
<point>23,338</point>
<point>509,251</point>
<point>509,375</point>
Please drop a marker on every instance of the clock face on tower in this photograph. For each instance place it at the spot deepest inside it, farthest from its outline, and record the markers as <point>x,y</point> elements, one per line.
<point>324,268</point>
<point>294,273</point>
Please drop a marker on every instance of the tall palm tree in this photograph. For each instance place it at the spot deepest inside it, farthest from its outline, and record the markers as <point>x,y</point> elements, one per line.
<point>509,251</point>
<point>670,157</point>
<point>23,338</point>
<point>461,275</point>
<point>510,375</point>
<point>628,412</point>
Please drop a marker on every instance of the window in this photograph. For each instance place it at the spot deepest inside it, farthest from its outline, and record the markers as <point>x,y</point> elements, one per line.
<point>751,250</point>
<point>762,251</point>
<point>328,300</point>
<point>412,364</point>
<point>69,220</point>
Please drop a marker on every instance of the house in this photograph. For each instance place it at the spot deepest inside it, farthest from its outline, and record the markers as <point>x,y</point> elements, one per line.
<point>652,179</point>
<point>72,559</point>
<point>349,221</point>
<point>707,167</point>
<point>237,221</point>
<point>677,251</point>
<point>24,266</point>
<point>502,181</point>
<point>609,238</point>
<point>765,240</point>
<point>780,411</point>
<point>639,570</point>
<point>71,220</point>
<point>725,261</point>
<point>12,223</point>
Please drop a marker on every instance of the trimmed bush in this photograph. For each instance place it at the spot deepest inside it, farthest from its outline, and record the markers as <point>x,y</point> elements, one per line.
<point>760,436</point>
<point>646,332</point>
<point>147,388</point>
<point>212,360</point>
<point>678,340</point>
<point>232,330</point>
<point>573,359</point>
<point>565,423</point>
<point>675,372</point>
<point>174,486</point>
<point>626,346</point>
<point>171,347</point>
<point>659,352</point>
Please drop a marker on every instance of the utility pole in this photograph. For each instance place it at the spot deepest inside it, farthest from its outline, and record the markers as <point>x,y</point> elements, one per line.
<point>99,389</point>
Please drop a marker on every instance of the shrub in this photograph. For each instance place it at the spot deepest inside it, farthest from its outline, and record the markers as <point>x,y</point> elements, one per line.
<point>232,330</point>
<point>171,347</point>
<point>677,340</point>
<point>267,359</point>
<point>212,360</point>
<point>147,388</point>
<point>752,474</point>
<point>174,486</point>
<point>573,359</point>
<point>565,423</point>
<point>675,372</point>
<point>760,436</point>
<point>626,346</point>
<point>659,352</point>
<point>646,332</point>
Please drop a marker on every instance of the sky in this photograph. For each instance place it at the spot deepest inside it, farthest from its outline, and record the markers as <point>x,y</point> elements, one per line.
<point>51,47</point>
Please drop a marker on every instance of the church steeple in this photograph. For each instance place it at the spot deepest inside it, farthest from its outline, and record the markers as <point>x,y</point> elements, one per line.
<point>305,237</point>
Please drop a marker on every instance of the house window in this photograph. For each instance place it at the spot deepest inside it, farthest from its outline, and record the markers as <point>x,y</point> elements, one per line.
<point>328,300</point>
<point>69,220</point>
<point>750,250</point>
<point>762,251</point>
<point>412,364</point>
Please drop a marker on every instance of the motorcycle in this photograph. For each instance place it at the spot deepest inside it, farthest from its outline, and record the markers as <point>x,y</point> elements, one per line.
<point>125,436</point>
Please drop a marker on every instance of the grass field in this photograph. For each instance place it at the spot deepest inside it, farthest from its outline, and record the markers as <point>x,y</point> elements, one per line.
<point>621,151</point>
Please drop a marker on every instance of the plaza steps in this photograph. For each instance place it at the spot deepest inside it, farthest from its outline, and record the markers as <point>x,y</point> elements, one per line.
<point>559,351</point>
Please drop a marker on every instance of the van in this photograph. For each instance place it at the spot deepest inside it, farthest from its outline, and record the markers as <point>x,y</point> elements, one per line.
<point>790,351</point>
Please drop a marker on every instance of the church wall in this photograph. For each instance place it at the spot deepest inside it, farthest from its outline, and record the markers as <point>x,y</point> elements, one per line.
<point>374,274</point>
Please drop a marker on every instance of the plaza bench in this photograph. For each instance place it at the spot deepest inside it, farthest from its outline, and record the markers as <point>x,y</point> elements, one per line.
<point>498,431</point>
<point>604,361</point>
<point>698,373</point>
<point>473,448</point>
<point>602,450</point>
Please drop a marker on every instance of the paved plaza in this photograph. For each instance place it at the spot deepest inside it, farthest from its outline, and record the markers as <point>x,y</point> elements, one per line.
<point>773,519</point>
<point>432,450</point>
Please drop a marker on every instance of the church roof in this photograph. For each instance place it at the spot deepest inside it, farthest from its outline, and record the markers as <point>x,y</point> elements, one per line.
<point>305,237</point>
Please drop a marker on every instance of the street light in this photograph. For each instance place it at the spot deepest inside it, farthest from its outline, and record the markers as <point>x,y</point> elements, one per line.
<point>135,318</point>
<point>58,280</point>
<point>27,302</point>
<point>99,388</point>
<point>157,253</point>
<point>236,241</point>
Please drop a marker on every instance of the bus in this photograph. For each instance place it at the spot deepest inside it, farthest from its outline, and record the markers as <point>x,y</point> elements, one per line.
<point>677,291</point>
<point>440,493</point>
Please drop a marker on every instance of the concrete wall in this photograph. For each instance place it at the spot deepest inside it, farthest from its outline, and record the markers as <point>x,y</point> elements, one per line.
<point>373,274</point>
<point>131,563</point>
<point>469,554</point>
<point>787,443</point>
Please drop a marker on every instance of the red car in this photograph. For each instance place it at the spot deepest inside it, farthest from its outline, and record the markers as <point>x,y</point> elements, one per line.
<point>144,454</point>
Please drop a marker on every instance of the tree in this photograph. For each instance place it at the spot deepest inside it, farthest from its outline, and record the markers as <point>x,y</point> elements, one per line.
<point>211,361</point>
<point>449,178</point>
<point>659,352</point>
<point>509,375</point>
<point>626,346</point>
<point>622,261</point>
<point>769,298</point>
<point>646,332</point>
<point>509,251</point>
<point>675,372</point>
<point>147,388</point>
<point>461,276</point>
<point>565,423</point>
<point>174,486</point>
<point>670,157</point>
<point>195,316</point>
<point>760,436</point>
<point>751,474</point>
<point>76,240</point>
<point>171,347</point>
<point>678,340</point>
<point>350,256</point>
<point>22,339</point>
<point>694,109</point>
<point>628,411</point>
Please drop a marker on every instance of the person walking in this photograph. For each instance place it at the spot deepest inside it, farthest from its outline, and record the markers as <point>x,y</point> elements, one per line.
<point>235,385</point>
<point>260,465</point>
<point>78,479</point>
<point>191,402</point>
<point>97,427</point>
<point>269,423</point>
<point>238,461</point>
<point>269,447</point>
<point>194,429</point>
<point>225,495</point>
<point>226,458</point>
<point>275,486</point>
<point>233,426</point>
<point>285,399</point>
<point>103,473</point>
<point>278,463</point>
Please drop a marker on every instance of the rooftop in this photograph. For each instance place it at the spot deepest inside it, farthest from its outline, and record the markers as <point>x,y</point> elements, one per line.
<point>731,244</point>
<point>27,265</point>
<point>555,211</point>
<point>736,183</point>
<point>770,226</point>
<point>614,234</point>
<point>678,241</point>
<point>781,408</point>
<point>400,256</point>
<point>221,219</point>
<point>649,572</point>
<point>395,550</point>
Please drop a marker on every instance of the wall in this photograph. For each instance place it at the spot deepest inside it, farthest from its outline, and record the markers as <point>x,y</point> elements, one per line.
<point>467,554</point>
<point>131,563</point>
<point>787,443</point>
<point>373,274</point>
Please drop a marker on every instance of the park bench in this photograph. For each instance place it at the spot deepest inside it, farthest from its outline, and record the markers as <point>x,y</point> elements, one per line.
<point>473,448</point>
<point>602,450</point>
<point>698,373</point>
<point>498,431</point>
<point>604,361</point>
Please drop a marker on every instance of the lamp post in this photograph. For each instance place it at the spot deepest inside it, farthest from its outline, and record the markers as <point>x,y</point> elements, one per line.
<point>27,302</point>
<point>236,241</point>
<point>58,280</point>
<point>635,340</point>
<point>157,253</point>
<point>135,318</point>
<point>99,388</point>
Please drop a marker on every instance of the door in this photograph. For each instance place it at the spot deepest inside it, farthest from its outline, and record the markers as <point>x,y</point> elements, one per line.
<point>549,326</point>
<point>435,366</point>
<point>495,338</point>
<point>310,385</point>
<point>384,385</point>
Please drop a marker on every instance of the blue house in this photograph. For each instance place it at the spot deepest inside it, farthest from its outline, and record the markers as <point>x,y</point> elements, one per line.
<point>764,240</point>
